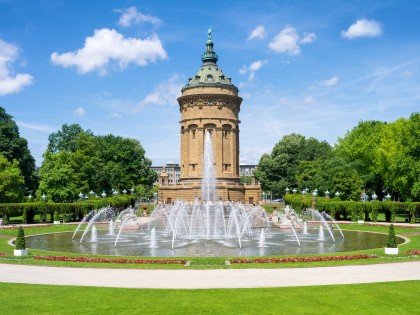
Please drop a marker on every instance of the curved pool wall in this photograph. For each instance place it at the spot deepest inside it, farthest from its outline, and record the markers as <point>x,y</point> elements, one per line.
<point>277,242</point>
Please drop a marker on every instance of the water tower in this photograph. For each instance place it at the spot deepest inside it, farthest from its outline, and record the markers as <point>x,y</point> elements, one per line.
<point>210,104</point>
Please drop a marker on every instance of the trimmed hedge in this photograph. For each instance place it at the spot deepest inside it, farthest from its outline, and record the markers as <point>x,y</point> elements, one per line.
<point>70,211</point>
<point>356,210</point>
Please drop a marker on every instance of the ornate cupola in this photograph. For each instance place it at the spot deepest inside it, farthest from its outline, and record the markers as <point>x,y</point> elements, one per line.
<point>209,74</point>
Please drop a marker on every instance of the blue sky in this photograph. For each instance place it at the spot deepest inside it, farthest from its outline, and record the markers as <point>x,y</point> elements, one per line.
<point>116,67</point>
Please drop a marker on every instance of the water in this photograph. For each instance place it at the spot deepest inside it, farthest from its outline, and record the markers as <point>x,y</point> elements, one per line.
<point>261,242</point>
<point>321,235</point>
<point>209,226</point>
<point>94,235</point>
<point>277,242</point>
<point>208,184</point>
<point>305,228</point>
<point>153,238</point>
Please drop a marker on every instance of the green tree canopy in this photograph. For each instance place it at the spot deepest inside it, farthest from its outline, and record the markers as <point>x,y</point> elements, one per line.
<point>280,169</point>
<point>78,161</point>
<point>11,181</point>
<point>14,147</point>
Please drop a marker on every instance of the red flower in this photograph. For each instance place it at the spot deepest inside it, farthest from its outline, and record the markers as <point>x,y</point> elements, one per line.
<point>109,260</point>
<point>299,259</point>
<point>413,252</point>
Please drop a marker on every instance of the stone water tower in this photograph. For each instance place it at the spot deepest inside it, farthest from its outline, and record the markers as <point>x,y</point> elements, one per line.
<point>210,103</point>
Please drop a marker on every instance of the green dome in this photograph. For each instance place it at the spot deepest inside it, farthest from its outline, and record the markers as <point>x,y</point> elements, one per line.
<point>209,74</point>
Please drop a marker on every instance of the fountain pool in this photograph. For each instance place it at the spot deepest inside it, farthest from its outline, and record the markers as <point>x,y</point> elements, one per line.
<point>276,242</point>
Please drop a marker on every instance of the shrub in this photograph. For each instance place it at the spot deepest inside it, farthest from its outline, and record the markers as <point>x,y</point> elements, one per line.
<point>6,219</point>
<point>392,240</point>
<point>20,239</point>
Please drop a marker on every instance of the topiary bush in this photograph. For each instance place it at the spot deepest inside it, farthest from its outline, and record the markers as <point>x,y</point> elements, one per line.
<point>20,239</point>
<point>392,240</point>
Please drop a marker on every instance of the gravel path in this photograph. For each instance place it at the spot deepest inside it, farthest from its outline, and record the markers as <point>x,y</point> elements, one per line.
<point>211,278</point>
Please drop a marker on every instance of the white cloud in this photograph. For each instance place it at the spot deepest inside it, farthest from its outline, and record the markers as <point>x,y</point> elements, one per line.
<point>252,68</point>
<point>10,83</point>
<point>256,65</point>
<point>288,41</point>
<point>259,32</point>
<point>309,99</point>
<point>131,16</point>
<point>166,93</point>
<point>362,28</point>
<point>80,111</point>
<point>107,47</point>
<point>115,115</point>
<point>329,82</point>
<point>36,127</point>
<point>308,38</point>
<point>243,70</point>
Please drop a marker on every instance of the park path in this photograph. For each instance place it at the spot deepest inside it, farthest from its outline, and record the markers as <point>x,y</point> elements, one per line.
<point>210,278</point>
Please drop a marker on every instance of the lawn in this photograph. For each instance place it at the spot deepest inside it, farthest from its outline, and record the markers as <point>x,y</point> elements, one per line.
<point>374,298</point>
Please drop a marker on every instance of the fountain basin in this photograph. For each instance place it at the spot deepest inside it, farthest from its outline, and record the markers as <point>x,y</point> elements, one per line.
<point>277,242</point>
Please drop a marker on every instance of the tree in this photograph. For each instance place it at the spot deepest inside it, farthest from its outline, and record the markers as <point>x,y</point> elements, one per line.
<point>20,242</point>
<point>280,169</point>
<point>14,147</point>
<point>58,178</point>
<point>124,163</point>
<point>359,147</point>
<point>11,180</point>
<point>66,139</point>
<point>78,161</point>
<point>385,156</point>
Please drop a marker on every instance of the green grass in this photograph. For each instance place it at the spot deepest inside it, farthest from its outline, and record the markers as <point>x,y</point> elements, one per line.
<point>376,298</point>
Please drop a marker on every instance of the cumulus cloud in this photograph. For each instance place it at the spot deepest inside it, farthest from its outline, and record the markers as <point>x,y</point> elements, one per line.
<point>131,16</point>
<point>288,41</point>
<point>80,111</point>
<point>329,82</point>
<point>166,93</point>
<point>108,47</point>
<point>252,68</point>
<point>362,28</point>
<point>258,33</point>
<point>10,83</point>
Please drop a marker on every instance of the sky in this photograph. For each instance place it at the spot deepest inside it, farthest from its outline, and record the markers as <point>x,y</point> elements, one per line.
<point>316,68</point>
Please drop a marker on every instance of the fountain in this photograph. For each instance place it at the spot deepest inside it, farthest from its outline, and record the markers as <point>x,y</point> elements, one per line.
<point>321,236</point>
<point>261,242</point>
<point>208,227</point>
<point>153,238</point>
<point>94,235</point>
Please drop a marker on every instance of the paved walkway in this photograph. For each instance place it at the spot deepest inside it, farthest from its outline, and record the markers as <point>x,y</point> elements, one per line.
<point>212,278</point>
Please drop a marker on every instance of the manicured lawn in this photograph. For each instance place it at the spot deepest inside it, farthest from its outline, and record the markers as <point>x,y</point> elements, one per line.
<point>375,298</point>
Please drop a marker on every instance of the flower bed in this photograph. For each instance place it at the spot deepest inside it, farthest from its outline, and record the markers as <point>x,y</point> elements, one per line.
<point>105,260</point>
<point>413,252</point>
<point>15,226</point>
<point>109,260</point>
<point>298,259</point>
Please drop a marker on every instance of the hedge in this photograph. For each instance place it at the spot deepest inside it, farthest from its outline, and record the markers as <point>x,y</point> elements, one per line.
<point>355,209</point>
<point>69,211</point>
